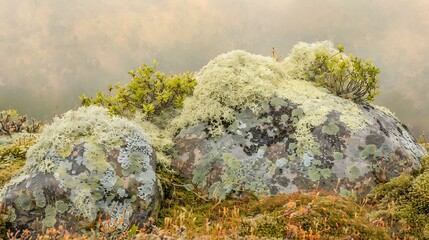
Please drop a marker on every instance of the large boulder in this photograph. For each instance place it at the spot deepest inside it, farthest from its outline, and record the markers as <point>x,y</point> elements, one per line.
<point>254,125</point>
<point>86,167</point>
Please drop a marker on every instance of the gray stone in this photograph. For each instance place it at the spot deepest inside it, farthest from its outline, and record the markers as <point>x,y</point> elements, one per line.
<point>85,167</point>
<point>259,152</point>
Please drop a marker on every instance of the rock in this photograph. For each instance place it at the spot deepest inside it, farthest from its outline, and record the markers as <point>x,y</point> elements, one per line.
<point>291,136</point>
<point>87,167</point>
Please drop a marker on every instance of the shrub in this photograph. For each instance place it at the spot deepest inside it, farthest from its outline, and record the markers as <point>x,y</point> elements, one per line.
<point>345,76</point>
<point>149,90</point>
<point>11,122</point>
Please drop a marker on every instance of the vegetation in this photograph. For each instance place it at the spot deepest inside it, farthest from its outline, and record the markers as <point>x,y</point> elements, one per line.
<point>11,122</point>
<point>186,215</point>
<point>17,134</point>
<point>149,90</point>
<point>403,202</point>
<point>396,209</point>
<point>345,76</point>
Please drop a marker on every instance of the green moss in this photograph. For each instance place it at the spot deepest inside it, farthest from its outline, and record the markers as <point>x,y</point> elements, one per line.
<point>330,129</point>
<point>404,202</point>
<point>420,192</point>
<point>10,169</point>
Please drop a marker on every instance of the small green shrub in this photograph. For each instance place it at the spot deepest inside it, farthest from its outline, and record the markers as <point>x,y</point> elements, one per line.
<point>345,76</point>
<point>149,90</point>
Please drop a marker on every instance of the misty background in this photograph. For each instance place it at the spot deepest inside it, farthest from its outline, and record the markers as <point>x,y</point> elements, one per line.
<point>52,51</point>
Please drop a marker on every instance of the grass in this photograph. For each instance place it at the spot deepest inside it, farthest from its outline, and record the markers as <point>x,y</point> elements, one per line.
<point>388,213</point>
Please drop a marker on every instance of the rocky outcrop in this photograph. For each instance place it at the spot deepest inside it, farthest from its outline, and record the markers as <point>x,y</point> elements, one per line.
<point>85,167</point>
<point>290,136</point>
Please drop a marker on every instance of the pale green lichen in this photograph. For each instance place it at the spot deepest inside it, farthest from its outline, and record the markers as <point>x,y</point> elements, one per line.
<point>302,55</point>
<point>239,80</point>
<point>370,150</point>
<point>23,201</point>
<point>315,173</point>
<point>238,174</point>
<point>12,216</point>
<point>61,206</point>
<point>330,129</point>
<point>353,173</point>
<point>39,197</point>
<point>84,203</point>
<point>338,156</point>
<point>50,216</point>
<point>99,134</point>
<point>281,162</point>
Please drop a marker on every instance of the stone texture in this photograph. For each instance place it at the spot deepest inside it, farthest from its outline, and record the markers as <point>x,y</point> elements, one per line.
<point>256,124</point>
<point>85,167</point>
<point>259,152</point>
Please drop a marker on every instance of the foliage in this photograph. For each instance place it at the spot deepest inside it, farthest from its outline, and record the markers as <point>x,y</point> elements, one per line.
<point>12,157</point>
<point>404,203</point>
<point>11,122</point>
<point>345,76</point>
<point>311,215</point>
<point>149,91</point>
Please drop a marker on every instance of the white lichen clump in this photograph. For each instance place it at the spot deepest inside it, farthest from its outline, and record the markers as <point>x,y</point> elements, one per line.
<point>78,150</point>
<point>239,80</point>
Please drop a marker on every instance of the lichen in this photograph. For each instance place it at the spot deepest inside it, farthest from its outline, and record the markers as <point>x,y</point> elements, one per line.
<point>330,129</point>
<point>353,173</point>
<point>315,172</point>
<point>23,201</point>
<point>61,206</point>
<point>39,197</point>
<point>370,150</point>
<point>338,155</point>
<point>238,175</point>
<point>50,216</point>
<point>84,152</point>
<point>239,80</point>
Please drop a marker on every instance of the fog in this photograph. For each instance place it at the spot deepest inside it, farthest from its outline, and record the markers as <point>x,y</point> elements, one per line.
<point>54,50</point>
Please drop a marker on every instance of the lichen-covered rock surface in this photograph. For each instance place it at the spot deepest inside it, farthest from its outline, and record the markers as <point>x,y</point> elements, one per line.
<point>253,124</point>
<point>86,167</point>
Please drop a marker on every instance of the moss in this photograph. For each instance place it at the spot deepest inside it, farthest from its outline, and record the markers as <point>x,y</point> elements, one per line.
<point>10,169</point>
<point>12,154</point>
<point>292,216</point>
<point>420,193</point>
<point>404,203</point>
